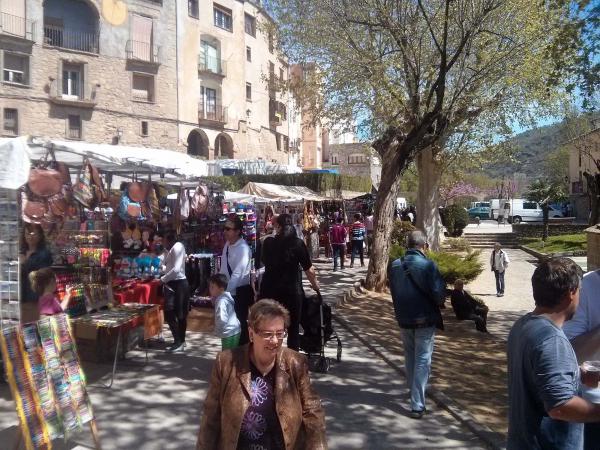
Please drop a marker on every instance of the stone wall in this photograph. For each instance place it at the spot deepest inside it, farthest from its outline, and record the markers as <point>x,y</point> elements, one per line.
<point>535,230</point>
<point>593,247</point>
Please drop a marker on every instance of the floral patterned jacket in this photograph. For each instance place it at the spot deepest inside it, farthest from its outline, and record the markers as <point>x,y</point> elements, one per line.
<point>298,406</point>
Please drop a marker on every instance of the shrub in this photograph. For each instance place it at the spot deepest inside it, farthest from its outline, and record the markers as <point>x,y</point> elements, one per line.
<point>396,251</point>
<point>455,219</point>
<point>458,244</point>
<point>400,232</point>
<point>453,266</point>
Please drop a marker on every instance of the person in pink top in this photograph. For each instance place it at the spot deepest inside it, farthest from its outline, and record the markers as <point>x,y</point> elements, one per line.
<point>337,238</point>
<point>43,282</point>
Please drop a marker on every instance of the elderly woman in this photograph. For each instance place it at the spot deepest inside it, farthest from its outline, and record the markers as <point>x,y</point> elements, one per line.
<point>260,395</point>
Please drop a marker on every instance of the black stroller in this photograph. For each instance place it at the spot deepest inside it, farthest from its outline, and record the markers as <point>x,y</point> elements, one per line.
<point>316,321</point>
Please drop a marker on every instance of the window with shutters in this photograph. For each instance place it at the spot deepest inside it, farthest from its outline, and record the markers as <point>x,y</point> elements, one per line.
<point>335,160</point>
<point>15,68</point>
<point>74,127</point>
<point>141,47</point>
<point>248,54</point>
<point>142,88</point>
<point>11,122</point>
<point>223,17</point>
<point>249,91</point>
<point>144,130</point>
<point>72,81</point>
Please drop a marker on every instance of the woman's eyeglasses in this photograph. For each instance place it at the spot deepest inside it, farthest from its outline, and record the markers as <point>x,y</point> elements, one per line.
<point>280,334</point>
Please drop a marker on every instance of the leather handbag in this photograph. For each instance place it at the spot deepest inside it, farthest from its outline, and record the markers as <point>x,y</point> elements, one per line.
<point>199,202</point>
<point>44,182</point>
<point>32,211</point>
<point>82,190</point>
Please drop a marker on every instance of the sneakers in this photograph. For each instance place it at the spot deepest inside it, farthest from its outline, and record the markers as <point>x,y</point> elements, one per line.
<point>416,414</point>
<point>176,347</point>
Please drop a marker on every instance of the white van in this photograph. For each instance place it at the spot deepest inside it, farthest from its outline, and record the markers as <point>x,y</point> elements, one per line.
<point>521,210</point>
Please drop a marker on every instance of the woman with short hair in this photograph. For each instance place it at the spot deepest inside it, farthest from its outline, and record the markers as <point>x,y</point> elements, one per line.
<point>260,395</point>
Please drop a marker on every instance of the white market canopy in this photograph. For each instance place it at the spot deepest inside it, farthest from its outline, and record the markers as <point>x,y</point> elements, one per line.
<point>249,166</point>
<point>116,159</point>
<point>276,192</point>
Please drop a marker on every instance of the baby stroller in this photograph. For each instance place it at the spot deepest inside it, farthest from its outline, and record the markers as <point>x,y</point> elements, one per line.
<point>316,321</point>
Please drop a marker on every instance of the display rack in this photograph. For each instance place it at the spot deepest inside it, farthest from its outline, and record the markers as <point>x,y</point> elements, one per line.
<point>9,259</point>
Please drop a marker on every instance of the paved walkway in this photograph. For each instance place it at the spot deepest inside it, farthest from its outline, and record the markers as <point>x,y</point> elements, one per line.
<point>157,406</point>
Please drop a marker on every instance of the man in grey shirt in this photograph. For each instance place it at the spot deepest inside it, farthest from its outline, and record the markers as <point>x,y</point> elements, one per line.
<point>545,409</point>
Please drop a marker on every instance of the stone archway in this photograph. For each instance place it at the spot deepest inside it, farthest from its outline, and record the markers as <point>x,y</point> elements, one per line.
<point>198,144</point>
<point>223,146</point>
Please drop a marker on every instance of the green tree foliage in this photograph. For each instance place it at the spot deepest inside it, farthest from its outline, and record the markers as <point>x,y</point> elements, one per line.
<point>455,219</point>
<point>423,75</point>
<point>545,192</point>
<point>451,266</point>
<point>400,232</point>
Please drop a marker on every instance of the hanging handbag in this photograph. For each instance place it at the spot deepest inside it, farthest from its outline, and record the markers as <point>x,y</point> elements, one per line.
<point>128,209</point>
<point>82,190</point>
<point>199,203</point>
<point>45,181</point>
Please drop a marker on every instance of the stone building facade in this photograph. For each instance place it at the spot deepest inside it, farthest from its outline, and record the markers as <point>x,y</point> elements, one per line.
<point>583,152</point>
<point>198,77</point>
<point>355,159</point>
<point>69,73</point>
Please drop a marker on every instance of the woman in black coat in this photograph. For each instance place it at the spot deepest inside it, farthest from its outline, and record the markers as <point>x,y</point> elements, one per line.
<point>284,257</point>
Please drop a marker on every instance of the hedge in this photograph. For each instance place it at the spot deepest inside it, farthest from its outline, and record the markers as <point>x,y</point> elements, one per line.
<point>319,182</point>
<point>451,265</point>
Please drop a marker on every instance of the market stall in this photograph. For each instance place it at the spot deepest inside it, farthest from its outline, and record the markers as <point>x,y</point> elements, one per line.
<point>102,210</point>
<point>312,213</point>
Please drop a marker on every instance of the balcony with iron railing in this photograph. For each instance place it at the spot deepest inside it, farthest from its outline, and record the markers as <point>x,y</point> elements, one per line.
<point>16,26</point>
<point>85,98</point>
<point>212,114</point>
<point>212,65</point>
<point>57,36</point>
<point>142,52</point>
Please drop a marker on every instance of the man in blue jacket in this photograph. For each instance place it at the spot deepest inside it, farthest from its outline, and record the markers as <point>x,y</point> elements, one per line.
<point>418,290</point>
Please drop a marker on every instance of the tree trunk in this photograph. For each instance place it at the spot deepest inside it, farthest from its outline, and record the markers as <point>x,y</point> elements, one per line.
<point>385,206</point>
<point>593,185</point>
<point>394,160</point>
<point>428,217</point>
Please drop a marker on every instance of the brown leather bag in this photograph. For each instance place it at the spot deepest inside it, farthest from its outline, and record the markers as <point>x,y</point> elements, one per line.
<point>32,211</point>
<point>44,182</point>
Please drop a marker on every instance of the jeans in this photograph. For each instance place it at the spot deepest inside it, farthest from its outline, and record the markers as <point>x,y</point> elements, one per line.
<point>338,253</point>
<point>499,281</point>
<point>418,348</point>
<point>357,248</point>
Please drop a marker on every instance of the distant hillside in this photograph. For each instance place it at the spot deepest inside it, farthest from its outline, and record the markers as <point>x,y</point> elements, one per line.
<point>532,148</point>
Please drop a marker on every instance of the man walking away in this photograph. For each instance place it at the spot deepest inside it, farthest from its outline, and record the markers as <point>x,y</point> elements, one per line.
<point>177,291</point>
<point>545,410</point>
<point>418,290</point>
<point>357,235</point>
<point>499,262</point>
<point>584,332</point>
<point>338,242</point>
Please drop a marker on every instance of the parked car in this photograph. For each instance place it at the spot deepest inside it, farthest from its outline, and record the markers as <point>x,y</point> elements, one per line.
<point>483,212</point>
